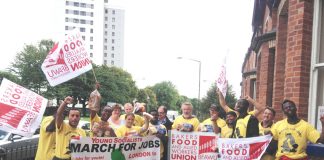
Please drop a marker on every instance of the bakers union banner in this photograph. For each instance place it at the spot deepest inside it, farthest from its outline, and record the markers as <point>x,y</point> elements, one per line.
<point>67,59</point>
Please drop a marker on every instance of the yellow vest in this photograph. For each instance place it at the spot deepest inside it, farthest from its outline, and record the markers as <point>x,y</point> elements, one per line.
<point>241,126</point>
<point>226,132</point>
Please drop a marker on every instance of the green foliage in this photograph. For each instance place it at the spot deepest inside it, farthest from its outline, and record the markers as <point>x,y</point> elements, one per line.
<point>166,94</point>
<point>10,77</point>
<point>147,96</point>
<point>212,98</point>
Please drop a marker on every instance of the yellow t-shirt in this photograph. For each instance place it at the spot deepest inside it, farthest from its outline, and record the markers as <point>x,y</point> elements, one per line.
<point>63,137</point>
<point>292,139</point>
<point>208,124</point>
<point>241,126</point>
<point>138,121</point>
<point>124,131</point>
<point>226,132</point>
<point>262,130</point>
<point>180,120</point>
<point>46,143</point>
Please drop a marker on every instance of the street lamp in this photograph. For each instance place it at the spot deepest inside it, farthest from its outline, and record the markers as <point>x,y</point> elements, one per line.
<point>199,62</point>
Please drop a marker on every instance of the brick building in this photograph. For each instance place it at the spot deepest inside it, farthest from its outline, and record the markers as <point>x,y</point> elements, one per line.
<point>284,59</point>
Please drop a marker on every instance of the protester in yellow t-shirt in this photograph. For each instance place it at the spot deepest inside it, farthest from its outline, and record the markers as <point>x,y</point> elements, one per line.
<point>102,128</point>
<point>208,125</point>
<point>64,131</point>
<point>46,143</point>
<point>129,129</point>
<point>139,120</point>
<point>186,122</point>
<point>293,133</point>
<point>227,130</point>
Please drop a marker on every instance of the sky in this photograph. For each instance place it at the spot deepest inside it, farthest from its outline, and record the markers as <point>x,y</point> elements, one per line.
<point>156,33</point>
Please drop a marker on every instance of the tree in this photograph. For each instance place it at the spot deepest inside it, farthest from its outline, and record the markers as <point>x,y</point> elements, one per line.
<point>27,66</point>
<point>166,94</point>
<point>212,98</point>
<point>9,76</point>
<point>147,96</point>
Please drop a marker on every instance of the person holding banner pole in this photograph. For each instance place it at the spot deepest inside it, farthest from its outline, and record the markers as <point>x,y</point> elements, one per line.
<point>246,125</point>
<point>186,122</point>
<point>104,130</point>
<point>65,132</point>
<point>293,133</point>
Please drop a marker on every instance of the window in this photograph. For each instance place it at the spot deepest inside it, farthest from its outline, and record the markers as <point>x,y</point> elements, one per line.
<point>112,63</point>
<point>106,40</point>
<point>106,11</point>
<point>112,33</point>
<point>66,11</point>
<point>106,1</point>
<point>91,14</point>
<point>106,33</point>
<point>67,3</point>
<point>91,46</point>
<point>91,54</point>
<point>83,13</point>
<point>91,22</point>
<point>106,25</point>
<point>83,5</point>
<point>66,19</point>
<point>92,6</point>
<point>91,39</point>
<point>75,12</point>
<point>113,19</point>
<point>82,21</point>
<point>113,26</point>
<point>112,55</point>
<point>112,40</point>
<point>76,4</point>
<point>105,62</point>
<point>106,18</point>
<point>113,11</point>
<point>91,30</point>
<point>82,29</point>
<point>105,47</point>
<point>112,48</point>
<point>83,37</point>
<point>105,54</point>
<point>66,28</point>
<point>75,20</point>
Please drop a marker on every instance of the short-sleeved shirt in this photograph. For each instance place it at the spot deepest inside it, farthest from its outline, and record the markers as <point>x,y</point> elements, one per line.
<point>292,138</point>
<point>46,143</point>
<point>124,131</point>
<point>138,121</point>
<point>192,121</point>
<point>226,132</point>
<point>208,124</point>
<point>263,130</point>
<point>63,137</point>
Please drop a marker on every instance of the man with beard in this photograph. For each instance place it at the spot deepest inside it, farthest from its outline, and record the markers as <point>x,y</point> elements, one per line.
<point>186,122</point>
<point>64,131</point>
<point>293,133</point>
<point>99,125</point>
<point>160,131</point>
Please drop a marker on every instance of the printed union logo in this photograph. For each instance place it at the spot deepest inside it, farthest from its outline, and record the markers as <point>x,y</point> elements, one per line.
<point>207,144</point>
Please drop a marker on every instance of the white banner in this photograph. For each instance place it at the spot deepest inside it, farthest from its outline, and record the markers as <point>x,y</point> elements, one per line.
<point>112,148</point>
<point>21,110</point>
<point>221,81</point>
<point>67,59</point>
<point>243,148</point>
<point>192,145</point>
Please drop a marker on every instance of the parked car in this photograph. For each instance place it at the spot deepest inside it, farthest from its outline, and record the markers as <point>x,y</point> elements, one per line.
<point>17,147</point>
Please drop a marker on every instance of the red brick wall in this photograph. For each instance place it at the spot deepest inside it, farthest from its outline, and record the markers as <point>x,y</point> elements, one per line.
<point>299,39</point>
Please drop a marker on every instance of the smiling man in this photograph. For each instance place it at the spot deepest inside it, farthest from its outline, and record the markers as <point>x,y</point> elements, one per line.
<point>293,133</point>
<point>103,125</point>
<point>186,122</point>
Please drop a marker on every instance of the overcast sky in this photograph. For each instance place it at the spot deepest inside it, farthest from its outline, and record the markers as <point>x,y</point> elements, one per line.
<point>156,33</point>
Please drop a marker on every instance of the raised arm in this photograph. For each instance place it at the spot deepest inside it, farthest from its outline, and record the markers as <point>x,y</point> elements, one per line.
<point>216,128</point>
<point>60,111</point>
<point>259,108</point>
<point>222,101</point>
<point>146,124</point>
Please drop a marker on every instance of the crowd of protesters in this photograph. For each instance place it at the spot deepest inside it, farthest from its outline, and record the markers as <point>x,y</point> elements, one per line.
<point>290,135</point>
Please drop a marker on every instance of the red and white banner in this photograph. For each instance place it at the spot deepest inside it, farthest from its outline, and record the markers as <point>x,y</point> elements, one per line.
<point>21,110</point>
<point>67,59</point>
<point>243,148</point>
<point>221,81</point>
<point>192,145</point>
<point>113,148</point>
